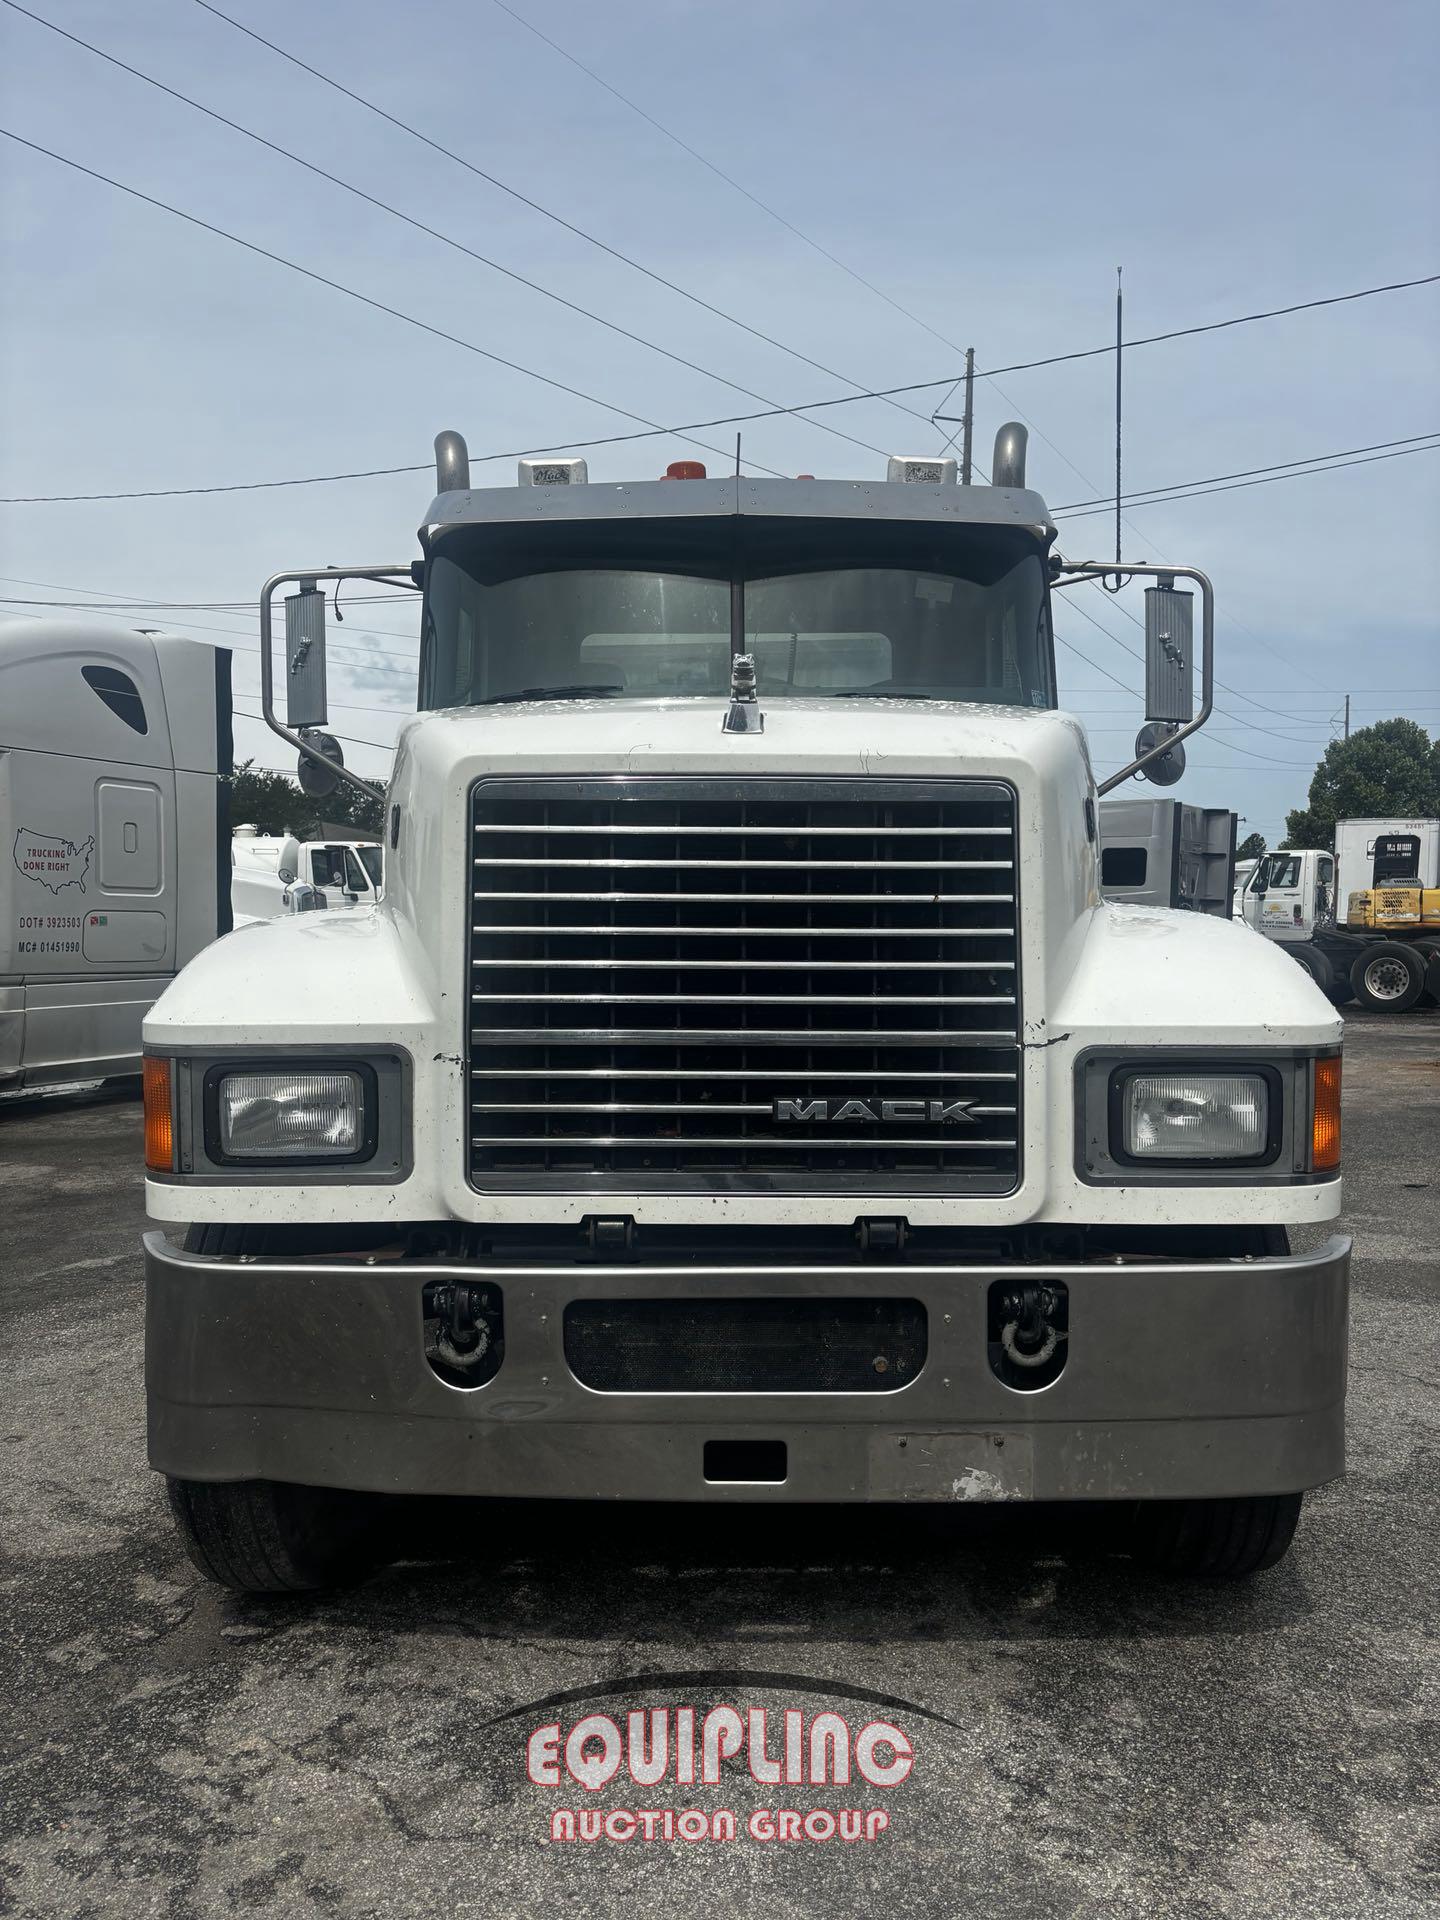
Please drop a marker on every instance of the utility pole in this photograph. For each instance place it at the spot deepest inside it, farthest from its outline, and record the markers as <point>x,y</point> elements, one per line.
<point>1347,716</point>
<point>968,429</point>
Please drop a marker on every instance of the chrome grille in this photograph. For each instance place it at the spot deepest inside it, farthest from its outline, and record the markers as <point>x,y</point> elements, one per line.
<point>655,963</point>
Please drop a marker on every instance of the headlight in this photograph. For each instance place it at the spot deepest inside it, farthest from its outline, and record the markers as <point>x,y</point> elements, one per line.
<point>1195,1116</point>
<point>291,1115</point>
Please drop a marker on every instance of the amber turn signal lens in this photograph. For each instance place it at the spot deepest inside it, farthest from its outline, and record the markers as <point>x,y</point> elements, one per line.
<point>1325,1133</point>
<point>159,1127</point>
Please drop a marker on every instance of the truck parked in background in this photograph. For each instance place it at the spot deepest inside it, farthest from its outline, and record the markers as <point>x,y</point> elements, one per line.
<point>743,1092</point>
<point>276,873</point>
<point>114,838</point>
<point>1162,853</point>
<point>1364,922</point>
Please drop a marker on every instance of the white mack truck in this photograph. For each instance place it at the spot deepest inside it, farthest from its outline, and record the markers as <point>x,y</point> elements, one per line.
<point>742,1091</point>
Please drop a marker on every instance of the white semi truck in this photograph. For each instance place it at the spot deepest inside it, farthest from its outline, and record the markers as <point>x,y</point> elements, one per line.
<point>743,1092</point>
<point>1363,921</point>
<point>114,838</point>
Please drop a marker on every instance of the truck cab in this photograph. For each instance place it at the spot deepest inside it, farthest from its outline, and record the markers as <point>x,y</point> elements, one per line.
<point>743,1092</point>
<point>276,873</point>
<point>1290,894</point>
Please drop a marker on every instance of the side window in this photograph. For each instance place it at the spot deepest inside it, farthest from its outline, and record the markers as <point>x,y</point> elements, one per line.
<point>1124,866</point>
<point>120,694</point>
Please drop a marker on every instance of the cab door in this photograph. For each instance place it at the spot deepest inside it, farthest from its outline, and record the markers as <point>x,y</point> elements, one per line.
<point>1282,901</point>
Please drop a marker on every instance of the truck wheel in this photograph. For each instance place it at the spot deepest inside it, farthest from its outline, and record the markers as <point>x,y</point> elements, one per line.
<point>1216,1539</point>
<point>263,1536</point>
<point>1388,977</point>
<point>1317,964</point>
<point>1432,971</point>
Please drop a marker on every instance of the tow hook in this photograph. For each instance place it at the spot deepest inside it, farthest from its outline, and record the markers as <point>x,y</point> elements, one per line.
<point>464,1330</point>
<point>1029,1330</point>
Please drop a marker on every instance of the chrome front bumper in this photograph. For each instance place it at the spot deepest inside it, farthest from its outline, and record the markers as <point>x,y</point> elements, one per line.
<point>1183,1380</point>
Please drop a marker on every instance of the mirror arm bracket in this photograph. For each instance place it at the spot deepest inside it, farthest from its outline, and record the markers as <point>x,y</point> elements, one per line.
<point>1066,573</point>
<point>307,577</point>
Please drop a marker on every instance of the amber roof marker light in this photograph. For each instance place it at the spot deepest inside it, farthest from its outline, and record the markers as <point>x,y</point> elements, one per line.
<point>159,1115</point>
<point>1325,1126</point>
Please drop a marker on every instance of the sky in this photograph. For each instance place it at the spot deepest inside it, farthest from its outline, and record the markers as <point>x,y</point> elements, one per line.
<point>987,168</point>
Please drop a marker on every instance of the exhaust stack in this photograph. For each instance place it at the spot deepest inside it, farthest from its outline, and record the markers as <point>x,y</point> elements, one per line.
<point>452,463</point>
<point>1008,467</point>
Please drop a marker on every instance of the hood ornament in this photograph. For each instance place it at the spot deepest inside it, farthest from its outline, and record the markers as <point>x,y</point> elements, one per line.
<point>743,714</point>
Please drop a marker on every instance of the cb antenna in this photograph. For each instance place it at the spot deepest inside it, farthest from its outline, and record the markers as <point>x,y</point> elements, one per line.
<point>1119,413</point>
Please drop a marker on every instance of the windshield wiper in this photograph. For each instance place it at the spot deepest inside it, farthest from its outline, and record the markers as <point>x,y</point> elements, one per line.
<point>882,692</point>
<point>546,693</point>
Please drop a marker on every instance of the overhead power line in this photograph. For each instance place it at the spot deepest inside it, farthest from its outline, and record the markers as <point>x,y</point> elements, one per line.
<point>548,213</point>
<point>1209,326</point>
<point>1142,493</point>
<point>420,226</point>
<point>365,299</point>
<point>1297,470</point>
<point>730,181</point>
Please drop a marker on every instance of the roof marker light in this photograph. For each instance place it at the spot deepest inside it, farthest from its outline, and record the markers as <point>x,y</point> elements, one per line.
<point>922,472</point>
<point>553,473</point>
<point>685,470</point>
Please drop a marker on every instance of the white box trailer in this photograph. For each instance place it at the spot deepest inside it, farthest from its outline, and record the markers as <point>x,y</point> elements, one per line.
<point>1375,852</point>
<point>114,838</point>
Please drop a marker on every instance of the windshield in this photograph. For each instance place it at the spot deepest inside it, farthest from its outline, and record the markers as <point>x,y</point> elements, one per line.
<point>336,866</point>
<point>1279,870</point>
<point>829,608</point>
<point>372,859</point>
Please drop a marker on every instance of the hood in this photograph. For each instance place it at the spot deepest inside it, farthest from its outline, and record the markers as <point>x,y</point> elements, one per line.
<point>801,735</point>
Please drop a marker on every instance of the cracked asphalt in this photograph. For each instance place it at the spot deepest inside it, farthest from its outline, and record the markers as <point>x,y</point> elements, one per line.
<point>1088,1740</point>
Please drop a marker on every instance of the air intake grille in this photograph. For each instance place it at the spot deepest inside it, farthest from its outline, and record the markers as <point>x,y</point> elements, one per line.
<point>660,967</point>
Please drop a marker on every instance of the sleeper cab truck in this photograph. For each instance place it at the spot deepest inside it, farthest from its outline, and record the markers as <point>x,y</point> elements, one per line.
<point>743,1092</point>
<point>114,838</point>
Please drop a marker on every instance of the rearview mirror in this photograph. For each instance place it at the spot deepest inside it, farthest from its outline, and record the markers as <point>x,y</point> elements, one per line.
<point>305,658</point>
<point>1169,654</point>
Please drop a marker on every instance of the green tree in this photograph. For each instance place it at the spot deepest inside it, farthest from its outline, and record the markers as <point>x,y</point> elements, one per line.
<point>1390,768</point>
<point>273,803</point>
<point>1251,847</point>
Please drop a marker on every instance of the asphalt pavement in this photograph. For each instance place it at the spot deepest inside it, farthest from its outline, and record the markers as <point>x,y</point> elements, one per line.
<point>1088,1740</point>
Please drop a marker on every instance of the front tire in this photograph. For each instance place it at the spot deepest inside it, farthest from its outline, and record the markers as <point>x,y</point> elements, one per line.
<point>1388,977</point>
<point>264,1536</point>
<point>1216,1539</point>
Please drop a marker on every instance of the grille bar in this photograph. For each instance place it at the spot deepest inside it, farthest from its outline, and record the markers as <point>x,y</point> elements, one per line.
<point>702,1141</point>
<point>664,1106</point>
<point>709,1073</point>
<point>751,866</point>
<point>670,832</point>
<point>623,965</point>
<point>755,999</point>
<point>715,1036</point>
<point>597,931</point>
<point>765,899</point>
<point>633,1052</point>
